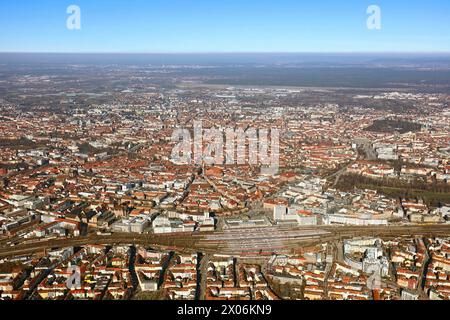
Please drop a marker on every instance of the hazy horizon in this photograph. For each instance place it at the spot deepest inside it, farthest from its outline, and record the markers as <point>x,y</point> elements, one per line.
<point>205,58</point>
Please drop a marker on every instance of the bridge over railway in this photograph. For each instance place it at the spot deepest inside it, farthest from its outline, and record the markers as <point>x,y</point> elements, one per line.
<point>237,241</point>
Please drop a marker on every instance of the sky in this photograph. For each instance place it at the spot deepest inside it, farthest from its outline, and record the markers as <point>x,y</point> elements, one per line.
<point>197,26</point>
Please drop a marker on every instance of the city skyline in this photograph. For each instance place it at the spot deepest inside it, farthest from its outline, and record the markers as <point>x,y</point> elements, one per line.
<point>190,153</point>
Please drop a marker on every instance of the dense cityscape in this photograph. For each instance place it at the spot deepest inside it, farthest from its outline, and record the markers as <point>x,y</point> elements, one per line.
<point>93,207</point>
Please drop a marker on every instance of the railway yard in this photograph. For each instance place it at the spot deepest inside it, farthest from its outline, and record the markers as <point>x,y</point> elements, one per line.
<point>257,241</point>
<point>269,263</point>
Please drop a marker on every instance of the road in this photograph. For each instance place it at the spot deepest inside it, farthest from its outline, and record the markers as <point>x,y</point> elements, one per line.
<point>423,270</point>
<point>131,261</point>
<point>337,175</point>
<point>236,242</point>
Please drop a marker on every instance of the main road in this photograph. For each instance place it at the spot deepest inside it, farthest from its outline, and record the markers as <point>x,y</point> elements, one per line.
<point>235,241</point>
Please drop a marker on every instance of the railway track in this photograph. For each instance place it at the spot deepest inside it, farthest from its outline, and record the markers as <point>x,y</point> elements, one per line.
<point>236,241</point>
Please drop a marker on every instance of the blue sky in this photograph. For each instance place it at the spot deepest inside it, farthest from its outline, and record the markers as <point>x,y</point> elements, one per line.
<point>224,26</point>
